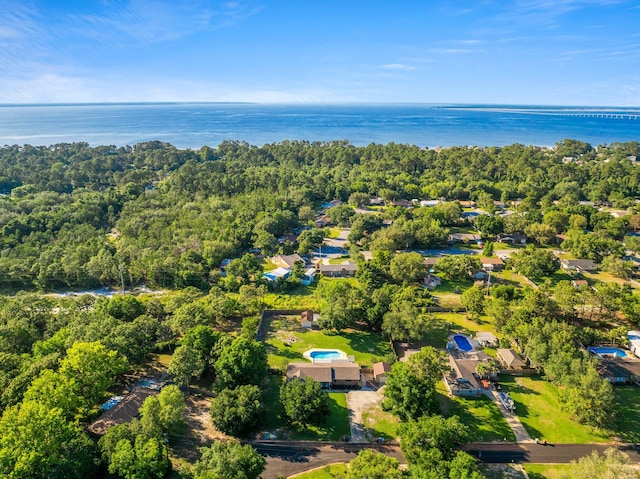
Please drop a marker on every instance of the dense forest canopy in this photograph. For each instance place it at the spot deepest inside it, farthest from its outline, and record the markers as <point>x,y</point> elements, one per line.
<point>72,215</point>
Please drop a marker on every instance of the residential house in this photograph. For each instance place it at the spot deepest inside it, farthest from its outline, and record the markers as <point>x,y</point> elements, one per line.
<point>492,264</point>
<point>578,265</point>
<point>481,275</point>
<point>344,270</point>
<point>512,363</point>
<point>467,204</point>
<point>461,379</point>
<point>321,221</point>
<point>579,283</point>
<point>123,412</point>
<point>334,375</point>
<point>276,274</point>
<point>619,370</point>
<point>376,201</point>
<point>402,203</point>
<point>499,204</point>
<point>430,262</point>
<point>464,238</point>
<point>387,223</point>
<point>515,238</point>
<point>367,255</point>
<point>286,260</point>
<point>381,372</point>
<point>429,203</point>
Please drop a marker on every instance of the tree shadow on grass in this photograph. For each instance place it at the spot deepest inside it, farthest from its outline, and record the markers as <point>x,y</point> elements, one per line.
<point>369,343</point>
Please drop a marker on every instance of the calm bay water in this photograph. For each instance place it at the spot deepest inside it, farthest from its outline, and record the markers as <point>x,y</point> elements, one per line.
<point>191,125</point>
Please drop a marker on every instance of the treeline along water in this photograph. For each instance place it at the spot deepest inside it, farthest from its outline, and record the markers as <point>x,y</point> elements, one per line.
<point>191,125</point>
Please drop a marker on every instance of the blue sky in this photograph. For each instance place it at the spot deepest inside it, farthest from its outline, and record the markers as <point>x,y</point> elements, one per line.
<point>557,52</point>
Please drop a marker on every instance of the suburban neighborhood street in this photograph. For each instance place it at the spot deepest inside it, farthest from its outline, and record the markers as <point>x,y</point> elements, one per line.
<point>285,458</point>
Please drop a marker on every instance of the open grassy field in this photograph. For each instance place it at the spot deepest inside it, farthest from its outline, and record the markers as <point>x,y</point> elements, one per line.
<point>335,429</point>
<point>554,278</point>
<point>627,427</point>
<point>538,408</point>
<point>303,297</point>
<point>481,415</point>
<point>381,424</point>
<point>332,471</point>
<point>285,343</point>
<point>546,471</point>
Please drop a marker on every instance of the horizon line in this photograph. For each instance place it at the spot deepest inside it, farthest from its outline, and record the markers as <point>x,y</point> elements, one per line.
<point>351,103</point>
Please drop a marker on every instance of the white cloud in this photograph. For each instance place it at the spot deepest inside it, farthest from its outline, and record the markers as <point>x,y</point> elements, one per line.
<point>397,66</point>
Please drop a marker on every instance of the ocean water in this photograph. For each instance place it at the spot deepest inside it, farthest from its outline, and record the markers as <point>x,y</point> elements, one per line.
<point>191,125</point>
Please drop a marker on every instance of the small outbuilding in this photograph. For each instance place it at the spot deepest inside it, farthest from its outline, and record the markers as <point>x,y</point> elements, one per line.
<point>381,372</point>
<point>486,339</point>
<point>511,362</point>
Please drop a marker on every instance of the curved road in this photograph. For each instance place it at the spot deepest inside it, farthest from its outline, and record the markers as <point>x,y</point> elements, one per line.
<point>285,458</point>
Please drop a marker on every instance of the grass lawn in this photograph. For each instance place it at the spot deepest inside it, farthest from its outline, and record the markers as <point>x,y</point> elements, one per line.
<point>326,472</point>
<point>628,422</point>
<point>511,278</point>
<point>554,279</point>
<point>340,260</point>
<point>546,471</point>
<point>381,424</point>
<point>481,415</point>
<point>604,277</point>
<point>303,297</point>
<point>462,323</point>
<point>538,408</point>
<point>336,427</point>
<point>448,293</point>
<point>334,232</point>
<point>366,347</point>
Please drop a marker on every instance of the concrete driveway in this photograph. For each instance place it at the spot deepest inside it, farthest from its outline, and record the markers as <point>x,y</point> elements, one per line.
<point>359,402</point>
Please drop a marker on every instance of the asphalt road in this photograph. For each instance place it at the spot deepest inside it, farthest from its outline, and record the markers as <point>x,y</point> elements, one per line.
<point>542,454</point>
<point>285,458</point>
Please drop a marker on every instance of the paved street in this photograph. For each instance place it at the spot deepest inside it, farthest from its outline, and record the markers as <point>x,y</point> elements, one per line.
<point>285,458</point>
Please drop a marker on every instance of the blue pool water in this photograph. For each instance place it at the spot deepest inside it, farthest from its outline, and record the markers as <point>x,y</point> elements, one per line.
<point>608,351</point>
<point>325,355</point>
<point>463,343</point>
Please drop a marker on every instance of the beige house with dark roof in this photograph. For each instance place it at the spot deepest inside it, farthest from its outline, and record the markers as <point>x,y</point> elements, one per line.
<point>512,363</point>
<point>286,260</point>
<point>335,374</point>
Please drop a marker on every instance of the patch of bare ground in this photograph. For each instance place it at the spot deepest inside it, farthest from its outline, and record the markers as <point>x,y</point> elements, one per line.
<point>199,430</point>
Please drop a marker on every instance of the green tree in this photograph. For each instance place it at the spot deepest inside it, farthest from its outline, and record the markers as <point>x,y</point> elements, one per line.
<point>163,414</point>
<point>94,369</point>
<point>488,248</point>
<point>237,411</point>
<point>432,432</point>
<point>228,460</point>
<point>244,268</point>
<point>489,224</point>
<point>405,322</point>
<point>341,215</point>
<point>410,389</point>
<point>244,361</point>
<point>408,268</point>
<point>612,464</point>
<point>464,466</point>
<point>458,267</point>
<point>370,464</point>
<point>617,267</point>
<point>304,402</point>
<point>540,232</point>
<point>186,363</point>
<point>473,301</point>
<point>38,441</point>
<point>358,199</point>
<point>342,305</point>
<point>146,458</point>
<point>534,263</point>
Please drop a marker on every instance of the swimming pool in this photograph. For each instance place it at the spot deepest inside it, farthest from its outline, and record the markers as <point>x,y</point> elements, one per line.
<point>324,354</point>
<point>463,343</point>
<point>601,351</point>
